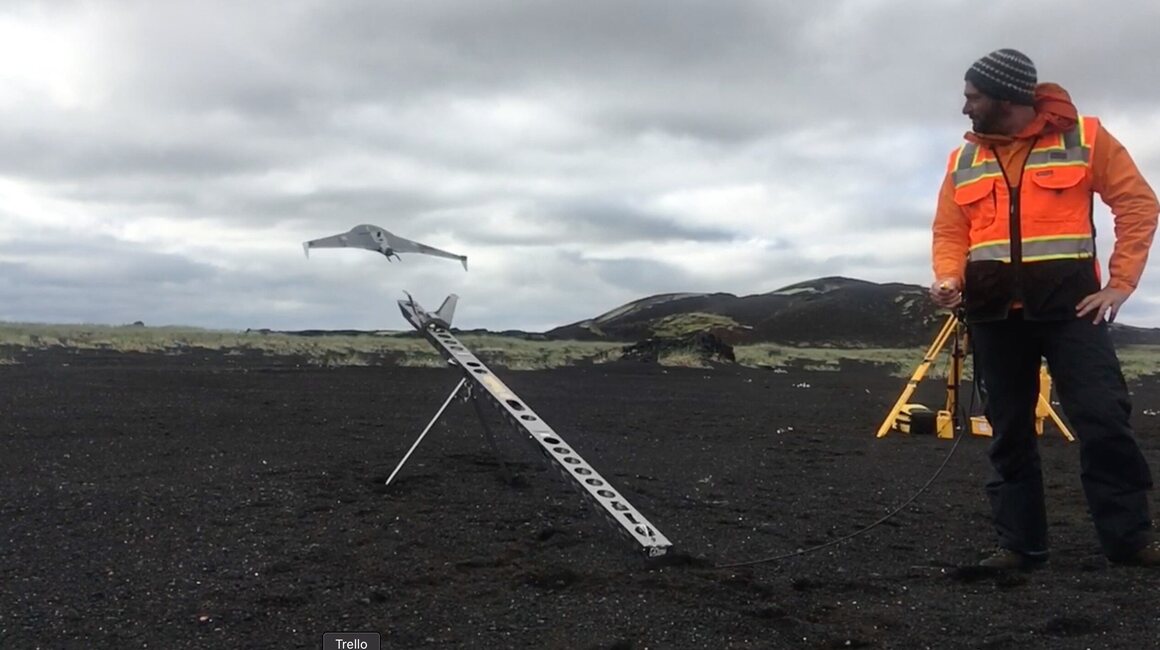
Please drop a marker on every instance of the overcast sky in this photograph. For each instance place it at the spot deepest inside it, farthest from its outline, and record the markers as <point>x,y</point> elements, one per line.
<point>164,161</point>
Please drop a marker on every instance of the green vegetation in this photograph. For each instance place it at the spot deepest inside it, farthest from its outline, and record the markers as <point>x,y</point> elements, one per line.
<point>511,352</point>
<point>1136,360</point>
<point>899,361</point>
<point>1139,360</point>
<point>682,360</point>
<point>521,354</point>
<point>132,338</point>
<point>682,324</point>
<point>325,350</point>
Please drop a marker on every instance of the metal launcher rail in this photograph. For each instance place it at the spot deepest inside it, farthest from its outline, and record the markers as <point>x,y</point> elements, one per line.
<point>481,381</point>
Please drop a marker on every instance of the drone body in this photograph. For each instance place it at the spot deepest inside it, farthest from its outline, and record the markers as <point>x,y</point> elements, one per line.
<point>377,239</point>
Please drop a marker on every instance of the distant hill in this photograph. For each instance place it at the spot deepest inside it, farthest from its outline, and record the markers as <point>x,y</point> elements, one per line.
<point>831,311</point>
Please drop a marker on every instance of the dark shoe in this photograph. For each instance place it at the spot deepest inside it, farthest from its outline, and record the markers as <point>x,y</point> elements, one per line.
<point>1147,556</point>
<point>1005,559</point>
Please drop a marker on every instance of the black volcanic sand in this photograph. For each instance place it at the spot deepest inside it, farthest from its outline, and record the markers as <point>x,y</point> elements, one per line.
<point>226,501</point>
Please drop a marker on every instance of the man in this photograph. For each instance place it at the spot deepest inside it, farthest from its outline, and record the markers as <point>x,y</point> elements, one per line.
<point>1014,247</point>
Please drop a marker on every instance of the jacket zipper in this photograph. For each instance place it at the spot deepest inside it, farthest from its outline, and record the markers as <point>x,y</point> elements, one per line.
<point>1016,240</point>
<point>1014,225</point>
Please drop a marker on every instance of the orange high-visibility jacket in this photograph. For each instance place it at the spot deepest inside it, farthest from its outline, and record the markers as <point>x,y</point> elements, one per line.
<point>1026,237</point>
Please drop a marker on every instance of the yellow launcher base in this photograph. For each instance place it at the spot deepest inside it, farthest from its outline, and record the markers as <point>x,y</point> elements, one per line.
<point>979,426</point>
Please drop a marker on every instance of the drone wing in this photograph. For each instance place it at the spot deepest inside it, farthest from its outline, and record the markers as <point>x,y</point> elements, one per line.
<point>357,237</point>
<point>404,245</point>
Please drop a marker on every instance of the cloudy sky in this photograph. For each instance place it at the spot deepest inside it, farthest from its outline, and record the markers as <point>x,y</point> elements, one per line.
<point>164,161</point>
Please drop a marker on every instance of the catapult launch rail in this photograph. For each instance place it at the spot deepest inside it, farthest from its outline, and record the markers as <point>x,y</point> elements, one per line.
<point>559,453</point>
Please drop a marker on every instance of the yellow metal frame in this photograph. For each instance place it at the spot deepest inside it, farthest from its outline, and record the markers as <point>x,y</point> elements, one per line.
<point>953,330</point>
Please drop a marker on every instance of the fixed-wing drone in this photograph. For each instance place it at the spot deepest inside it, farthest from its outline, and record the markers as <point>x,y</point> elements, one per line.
<point>376,239</point>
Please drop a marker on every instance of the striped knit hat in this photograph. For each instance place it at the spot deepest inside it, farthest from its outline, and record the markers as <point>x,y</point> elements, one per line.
<point>1005,74</point>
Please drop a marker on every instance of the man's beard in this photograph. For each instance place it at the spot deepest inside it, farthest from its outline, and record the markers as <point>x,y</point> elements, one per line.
<point>989,121</point>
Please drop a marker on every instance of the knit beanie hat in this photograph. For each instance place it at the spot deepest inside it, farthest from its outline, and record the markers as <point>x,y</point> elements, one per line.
<point>1006,75</point>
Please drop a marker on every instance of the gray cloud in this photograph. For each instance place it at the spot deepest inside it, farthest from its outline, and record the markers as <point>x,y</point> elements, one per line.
<point>581,154</point>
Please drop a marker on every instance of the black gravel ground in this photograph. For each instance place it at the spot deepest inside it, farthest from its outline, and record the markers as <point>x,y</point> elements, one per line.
<point>227,501</point>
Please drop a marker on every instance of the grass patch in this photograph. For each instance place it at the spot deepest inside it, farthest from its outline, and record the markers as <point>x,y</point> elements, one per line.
<point>521,354</point>
<point>898,361</point>
<point>511,352</point>
<point>1135,360</point>
<point>682,360</point>
<point>682,324</point>
<point>1139,360</point>
<point>325,350</point>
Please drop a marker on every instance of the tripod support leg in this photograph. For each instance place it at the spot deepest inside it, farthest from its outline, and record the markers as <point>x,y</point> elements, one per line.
<point>507,475</point>
<point>430,424</point>
<point>1044,404</point>
<point>927,359</point>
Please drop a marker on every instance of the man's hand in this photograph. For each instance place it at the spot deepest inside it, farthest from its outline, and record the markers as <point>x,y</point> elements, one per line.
<point>946,293</point>
<point>1105,301</point>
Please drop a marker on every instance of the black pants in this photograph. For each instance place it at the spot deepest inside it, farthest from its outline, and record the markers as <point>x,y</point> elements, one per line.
<point>1094,397</point>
